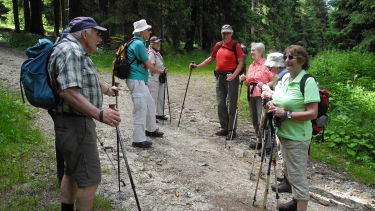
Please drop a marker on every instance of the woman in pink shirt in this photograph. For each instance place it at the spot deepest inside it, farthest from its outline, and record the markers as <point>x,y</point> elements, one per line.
<point>257,75</point>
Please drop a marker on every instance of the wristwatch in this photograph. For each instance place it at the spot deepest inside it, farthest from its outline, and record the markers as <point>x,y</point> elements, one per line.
<point>289,114</point>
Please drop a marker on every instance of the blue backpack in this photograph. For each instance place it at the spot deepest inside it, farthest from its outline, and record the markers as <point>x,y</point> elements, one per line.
<point>34,76</point>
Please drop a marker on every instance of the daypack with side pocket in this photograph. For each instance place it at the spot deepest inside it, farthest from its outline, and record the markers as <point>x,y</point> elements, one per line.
<point>322,118</point>
<point>34,76</point>
<point>121,64</point>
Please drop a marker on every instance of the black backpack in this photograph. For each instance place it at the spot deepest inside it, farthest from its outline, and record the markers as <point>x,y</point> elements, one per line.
<point>233,49</point>
<point>121,64</point>
<point>322,118</point>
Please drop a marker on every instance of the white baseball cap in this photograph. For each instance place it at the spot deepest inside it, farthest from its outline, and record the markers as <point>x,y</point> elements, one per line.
<point>140,26</point>
<point>226,28</point>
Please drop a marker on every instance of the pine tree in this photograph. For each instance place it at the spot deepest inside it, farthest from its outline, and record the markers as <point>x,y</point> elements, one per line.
<point>353,23</point>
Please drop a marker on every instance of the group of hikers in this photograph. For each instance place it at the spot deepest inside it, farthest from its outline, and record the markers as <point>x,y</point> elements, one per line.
<point>75,76</point>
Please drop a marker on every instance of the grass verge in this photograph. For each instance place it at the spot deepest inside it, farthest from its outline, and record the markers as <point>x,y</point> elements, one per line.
<point>27,170</point>
<point>363,173</point>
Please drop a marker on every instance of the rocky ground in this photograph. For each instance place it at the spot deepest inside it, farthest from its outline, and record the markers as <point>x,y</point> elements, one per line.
<point>190,168</point>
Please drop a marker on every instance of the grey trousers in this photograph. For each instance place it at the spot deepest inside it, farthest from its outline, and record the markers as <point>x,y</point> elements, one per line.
<point>157,92</point>
<point>255,105</point>
<point>295,156</point>
<point>144,109</point>
<point>226,90</point>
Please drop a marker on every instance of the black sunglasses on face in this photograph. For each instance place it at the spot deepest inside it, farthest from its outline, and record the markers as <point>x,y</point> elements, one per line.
<point>289,57</point>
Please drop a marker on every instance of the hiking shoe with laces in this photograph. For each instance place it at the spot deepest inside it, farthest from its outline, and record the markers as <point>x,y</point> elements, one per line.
<point>155,133</point>
<point>222,132</point>
<point>289,206</point>
<point>161,117</point>
<point>283,187</point>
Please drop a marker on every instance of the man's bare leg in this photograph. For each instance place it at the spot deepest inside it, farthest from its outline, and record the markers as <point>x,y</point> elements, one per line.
<point>85,197</point>
<point>68,190</point>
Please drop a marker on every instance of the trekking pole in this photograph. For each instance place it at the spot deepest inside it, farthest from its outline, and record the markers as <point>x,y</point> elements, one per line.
<point>112,106</point>
<point>109,158</point>
<point>183,102</point>
<point>263,157</point>
<point>259,140</point>
<point>236,114</point>
<point>164,95</point>
<point>274,163</point>
<point>271,160</point>
<point>169,104</point>
<point>118,146</point>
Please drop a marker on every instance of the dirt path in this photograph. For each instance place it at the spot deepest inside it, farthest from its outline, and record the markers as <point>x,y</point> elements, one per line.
<point>189,169</point>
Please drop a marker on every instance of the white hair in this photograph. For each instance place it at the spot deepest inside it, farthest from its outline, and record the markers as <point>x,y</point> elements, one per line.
<point>78,34</point>
<point>258,46</point>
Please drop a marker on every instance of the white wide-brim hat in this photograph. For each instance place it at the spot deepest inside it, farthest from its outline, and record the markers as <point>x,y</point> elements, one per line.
<point>140,26</point>
<point>275,60</point>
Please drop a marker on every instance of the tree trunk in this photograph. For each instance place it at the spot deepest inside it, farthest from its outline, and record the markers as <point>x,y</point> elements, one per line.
<point>26,15</point>
<point>15,15</point>
<point>36,17</point>
<point>56,11</point>
<point>75,9</point>
<point>63,6</point>
<point>105,9</point>
<point>189,45</point>
<point>252,25</point>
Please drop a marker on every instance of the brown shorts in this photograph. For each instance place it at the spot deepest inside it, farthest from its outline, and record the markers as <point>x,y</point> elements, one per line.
<point>76,139</point>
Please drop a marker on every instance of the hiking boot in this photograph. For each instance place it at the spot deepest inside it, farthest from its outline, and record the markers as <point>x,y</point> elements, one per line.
<point>289,206</point>
<point>155,133</point>
<point>161,117</point>
<point>222,132</point>
<point>253,145</point>
<point>143,144</point>
<point>230,134</point>
<point>283,187</point>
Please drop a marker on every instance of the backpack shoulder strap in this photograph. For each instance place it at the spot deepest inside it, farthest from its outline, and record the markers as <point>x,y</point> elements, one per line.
<point>218,47</point>
<point>126,49</point>
<point>303,82</point>
<point>234,47</point>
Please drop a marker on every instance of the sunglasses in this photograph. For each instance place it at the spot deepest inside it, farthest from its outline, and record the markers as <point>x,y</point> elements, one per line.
<point>289,57</point>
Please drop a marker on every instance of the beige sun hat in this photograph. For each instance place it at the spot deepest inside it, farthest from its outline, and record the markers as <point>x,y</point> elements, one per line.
<point>140,26</point>
<point>275,60</point>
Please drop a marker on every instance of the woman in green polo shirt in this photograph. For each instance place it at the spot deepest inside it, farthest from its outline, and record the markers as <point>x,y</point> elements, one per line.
<point>295,131</point>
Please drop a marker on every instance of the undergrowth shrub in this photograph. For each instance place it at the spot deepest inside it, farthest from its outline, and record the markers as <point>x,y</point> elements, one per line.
<point>349,77</point>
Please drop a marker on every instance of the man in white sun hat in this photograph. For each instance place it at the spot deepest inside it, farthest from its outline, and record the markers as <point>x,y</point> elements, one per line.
<point>144,120</point>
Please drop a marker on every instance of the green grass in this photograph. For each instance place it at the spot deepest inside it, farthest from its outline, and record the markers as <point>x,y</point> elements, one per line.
<point>361,172</point>
<point>20,41</point>
<point>27,161</point>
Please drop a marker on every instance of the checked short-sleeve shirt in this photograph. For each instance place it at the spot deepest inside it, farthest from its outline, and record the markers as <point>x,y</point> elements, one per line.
<point>70,66</point>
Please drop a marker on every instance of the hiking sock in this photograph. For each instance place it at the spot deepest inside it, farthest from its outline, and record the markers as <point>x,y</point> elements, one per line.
<point>67,207</point>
